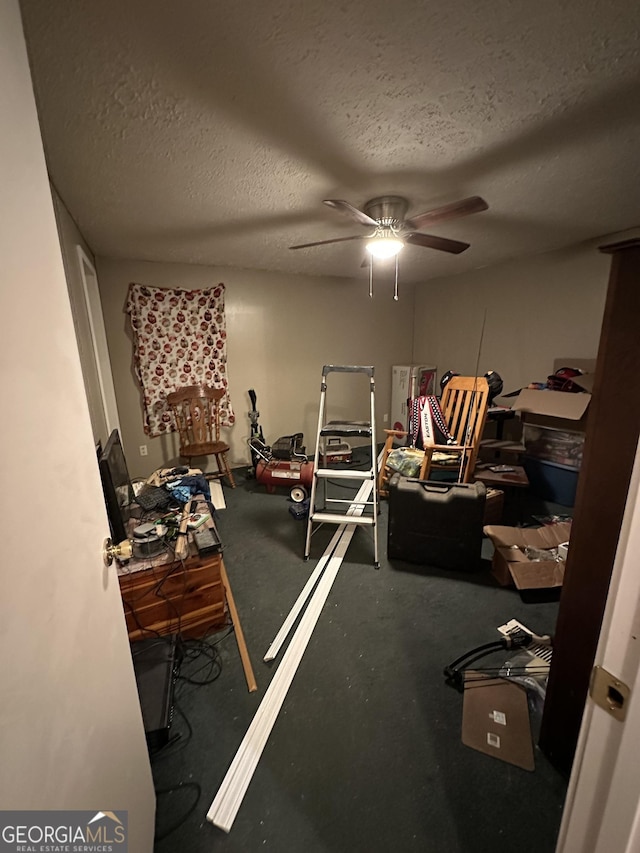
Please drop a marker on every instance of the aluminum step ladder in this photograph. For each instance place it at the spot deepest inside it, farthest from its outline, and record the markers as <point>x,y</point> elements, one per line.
<point>324,509</point>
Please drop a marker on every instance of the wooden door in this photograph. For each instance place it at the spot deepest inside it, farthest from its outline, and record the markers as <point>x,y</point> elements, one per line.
<point>71,732</point>
<point>612,435</point>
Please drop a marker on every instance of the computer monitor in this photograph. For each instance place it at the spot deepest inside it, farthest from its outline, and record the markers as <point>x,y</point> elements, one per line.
<point>116,484</point>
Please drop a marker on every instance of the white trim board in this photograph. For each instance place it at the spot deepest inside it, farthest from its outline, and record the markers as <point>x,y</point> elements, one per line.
<point>228,800</point>
<point>356,508</point>
<point>274,648</point>
<point>217,494</point>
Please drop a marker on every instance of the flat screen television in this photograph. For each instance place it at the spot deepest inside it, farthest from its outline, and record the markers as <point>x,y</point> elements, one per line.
<point>116,484</point>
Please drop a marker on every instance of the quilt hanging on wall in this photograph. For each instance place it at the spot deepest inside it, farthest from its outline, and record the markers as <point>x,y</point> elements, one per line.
<point>180,339</point>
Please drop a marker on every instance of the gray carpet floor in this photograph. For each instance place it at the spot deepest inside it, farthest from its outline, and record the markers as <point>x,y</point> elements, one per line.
<point>366,753</point>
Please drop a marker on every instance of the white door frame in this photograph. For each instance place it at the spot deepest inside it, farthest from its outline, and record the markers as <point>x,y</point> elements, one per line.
<point>99,339</point>
<point>602,809</point>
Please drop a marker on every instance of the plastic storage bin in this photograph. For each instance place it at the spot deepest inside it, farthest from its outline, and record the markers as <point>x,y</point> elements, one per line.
<point>553,445</point>
<point>552,482</point>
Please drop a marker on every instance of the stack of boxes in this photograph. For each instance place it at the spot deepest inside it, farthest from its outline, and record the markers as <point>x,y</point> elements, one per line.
<point>554,424</point>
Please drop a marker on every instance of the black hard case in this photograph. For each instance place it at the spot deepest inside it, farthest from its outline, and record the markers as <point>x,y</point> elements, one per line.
<point>435,523</point>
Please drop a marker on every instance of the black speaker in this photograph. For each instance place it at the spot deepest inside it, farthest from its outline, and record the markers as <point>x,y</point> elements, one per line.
<point>156,668</point>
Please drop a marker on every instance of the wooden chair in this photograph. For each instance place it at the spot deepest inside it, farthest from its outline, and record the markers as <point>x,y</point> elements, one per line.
<point>464,405</point>
<point>196,409</point>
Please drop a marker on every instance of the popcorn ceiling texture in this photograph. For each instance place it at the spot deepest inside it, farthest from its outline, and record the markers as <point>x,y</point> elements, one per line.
<point>210,133</point>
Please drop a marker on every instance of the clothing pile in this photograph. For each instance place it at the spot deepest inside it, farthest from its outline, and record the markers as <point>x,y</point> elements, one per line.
<point>182,483</point>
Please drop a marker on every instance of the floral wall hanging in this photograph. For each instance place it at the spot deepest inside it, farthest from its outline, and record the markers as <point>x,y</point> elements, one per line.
<point>180,339</point>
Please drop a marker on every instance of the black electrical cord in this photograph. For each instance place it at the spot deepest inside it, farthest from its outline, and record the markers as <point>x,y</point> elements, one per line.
<point>482,674</point>
<point>454,672</point>
<point>189,651</point>
<point>213,663</point>
<point>454,676</point>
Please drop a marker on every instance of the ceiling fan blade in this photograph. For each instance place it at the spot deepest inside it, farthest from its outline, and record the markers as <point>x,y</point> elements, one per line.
<point>441,243</point>
<point>475,204</point>
<point>344,207</point>
<point>324,242</point>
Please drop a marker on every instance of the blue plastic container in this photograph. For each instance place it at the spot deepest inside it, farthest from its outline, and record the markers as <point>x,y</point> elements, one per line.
<point>551,481</point>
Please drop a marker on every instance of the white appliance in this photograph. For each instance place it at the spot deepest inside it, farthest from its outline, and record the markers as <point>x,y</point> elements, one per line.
<point>408,381</point>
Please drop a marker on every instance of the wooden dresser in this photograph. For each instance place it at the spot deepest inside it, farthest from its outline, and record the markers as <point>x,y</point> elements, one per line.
<point>185,598</point>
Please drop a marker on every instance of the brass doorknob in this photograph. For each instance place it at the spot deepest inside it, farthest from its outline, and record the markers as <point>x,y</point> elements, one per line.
<point>122,551</point>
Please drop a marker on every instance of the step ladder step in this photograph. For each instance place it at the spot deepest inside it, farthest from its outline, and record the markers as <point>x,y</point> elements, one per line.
<point>346,368</point>
<point>348,502</point>
<point>338,518</point>
<point>360,429</point>
<point>341,474</point>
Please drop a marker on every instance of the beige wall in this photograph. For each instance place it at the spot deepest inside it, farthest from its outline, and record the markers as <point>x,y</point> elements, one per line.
<point>281,329</point>
<point>537,308</point>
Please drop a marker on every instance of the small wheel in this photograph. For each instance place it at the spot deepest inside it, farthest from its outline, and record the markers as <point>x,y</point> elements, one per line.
<point>298,494</point>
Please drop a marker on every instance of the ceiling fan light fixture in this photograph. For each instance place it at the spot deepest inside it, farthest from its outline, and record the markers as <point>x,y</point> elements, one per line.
<point>385,243</point>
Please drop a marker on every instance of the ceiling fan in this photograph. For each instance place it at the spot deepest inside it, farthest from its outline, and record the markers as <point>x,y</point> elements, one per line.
<point>386,215</point>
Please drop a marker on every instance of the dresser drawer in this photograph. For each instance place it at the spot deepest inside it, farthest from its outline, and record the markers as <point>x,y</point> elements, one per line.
<point>185,598</point>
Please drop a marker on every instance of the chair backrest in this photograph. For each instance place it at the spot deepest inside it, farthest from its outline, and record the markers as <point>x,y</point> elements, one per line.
<point>197,413</point>
<point>464,406</point>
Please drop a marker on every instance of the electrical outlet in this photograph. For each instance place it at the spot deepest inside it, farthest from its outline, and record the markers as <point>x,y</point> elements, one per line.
<point>385,418</point>
<point>143,450</point>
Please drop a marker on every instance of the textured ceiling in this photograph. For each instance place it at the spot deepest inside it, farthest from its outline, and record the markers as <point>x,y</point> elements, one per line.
<point>209,132</point>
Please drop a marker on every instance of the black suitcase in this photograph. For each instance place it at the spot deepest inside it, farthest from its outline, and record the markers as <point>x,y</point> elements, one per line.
<point>435,523</point>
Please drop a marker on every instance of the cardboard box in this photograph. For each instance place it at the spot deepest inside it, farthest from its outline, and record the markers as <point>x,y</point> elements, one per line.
<point>560,410</point>
<point>495,719</point>
<point>554,409</point>
<point>512,566</point>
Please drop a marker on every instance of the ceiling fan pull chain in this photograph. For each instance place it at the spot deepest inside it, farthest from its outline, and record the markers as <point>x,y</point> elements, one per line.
<point>371,276</point>
<point>395,290</point>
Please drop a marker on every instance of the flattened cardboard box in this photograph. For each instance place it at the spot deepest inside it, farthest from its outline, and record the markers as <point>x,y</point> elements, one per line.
<point>511,565</point>
<point>495,719</point>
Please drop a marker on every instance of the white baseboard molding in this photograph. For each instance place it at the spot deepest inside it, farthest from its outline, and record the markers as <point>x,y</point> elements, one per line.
<point>355,509</point>
<point>228,800</point>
